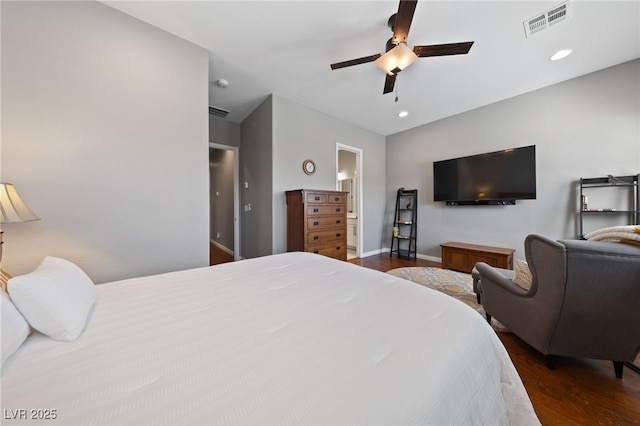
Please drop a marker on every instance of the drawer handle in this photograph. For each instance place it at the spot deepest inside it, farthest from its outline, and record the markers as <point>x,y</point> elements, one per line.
<point>315,210</point>
<point>337,199</point>
<point>338,235</point>
<point>316,198</point>
<point>315,237</point>
<point>316,251</point>
<point>338,248</point>
<point>316,223</point>
<point>338,210</point>
<point>338,221</point>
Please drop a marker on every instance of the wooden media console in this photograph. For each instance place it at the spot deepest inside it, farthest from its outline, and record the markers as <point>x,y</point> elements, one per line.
<point>462,257</point>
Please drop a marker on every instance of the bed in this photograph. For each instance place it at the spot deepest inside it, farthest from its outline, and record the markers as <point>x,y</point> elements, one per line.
<point>293,338</point>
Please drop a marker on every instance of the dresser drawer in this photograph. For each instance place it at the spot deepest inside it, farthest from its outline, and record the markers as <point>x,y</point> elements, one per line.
<point>323,237</point>
<point>337,199</point>
<point>337,250</point>
<point>326,222</point>
<point>316,198</point>
<point>324,210</point>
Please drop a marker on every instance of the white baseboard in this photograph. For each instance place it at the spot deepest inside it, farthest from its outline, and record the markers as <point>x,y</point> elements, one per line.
<point>221,247</point>
<point>373,253</point>
<point>431,258</point>
<point>387,250</point>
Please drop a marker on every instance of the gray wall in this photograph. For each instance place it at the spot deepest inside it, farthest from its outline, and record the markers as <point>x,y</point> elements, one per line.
<point>223,131</point>
<point>300,133</point>
<point>585,127</point>
<point>105,135</point>
<point>221,189</point>
<point>256,170</point>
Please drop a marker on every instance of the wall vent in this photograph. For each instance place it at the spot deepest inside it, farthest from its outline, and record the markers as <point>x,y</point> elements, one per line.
<point>218,112</point>
<point>547,18</point>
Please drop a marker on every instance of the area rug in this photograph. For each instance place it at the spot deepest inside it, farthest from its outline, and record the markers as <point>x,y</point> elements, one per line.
<point>456,284</point>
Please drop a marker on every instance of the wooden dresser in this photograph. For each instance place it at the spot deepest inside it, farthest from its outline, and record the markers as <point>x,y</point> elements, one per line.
<point>463,257</point>
<point>317,222</point>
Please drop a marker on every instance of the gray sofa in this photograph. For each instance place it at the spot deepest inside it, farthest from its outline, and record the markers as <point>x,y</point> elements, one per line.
<point>584,299</point>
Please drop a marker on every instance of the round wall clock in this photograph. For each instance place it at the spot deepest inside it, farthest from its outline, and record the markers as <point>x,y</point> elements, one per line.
<point>309,167</point>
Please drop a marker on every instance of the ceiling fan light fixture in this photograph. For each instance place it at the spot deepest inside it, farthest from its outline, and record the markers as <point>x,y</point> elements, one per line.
<point>396,59</point>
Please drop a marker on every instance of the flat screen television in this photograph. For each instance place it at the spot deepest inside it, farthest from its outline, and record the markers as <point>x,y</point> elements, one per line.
<point>494,178</point>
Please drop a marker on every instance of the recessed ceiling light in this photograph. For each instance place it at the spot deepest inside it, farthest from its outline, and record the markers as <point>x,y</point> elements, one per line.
<point>560,54</point>
<point>403,114</point>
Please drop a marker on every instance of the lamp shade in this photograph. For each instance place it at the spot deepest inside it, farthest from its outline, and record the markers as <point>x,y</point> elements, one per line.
<point>396,59</point>
<point>12,208</point>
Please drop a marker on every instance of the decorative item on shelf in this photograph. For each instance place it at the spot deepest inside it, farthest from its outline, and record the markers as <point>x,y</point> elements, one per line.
<point>309,167</point>
<point>614,180</point>
<point>12,210</point>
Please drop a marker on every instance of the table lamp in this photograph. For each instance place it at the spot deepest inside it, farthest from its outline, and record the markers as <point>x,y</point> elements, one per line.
<point>12,210</point>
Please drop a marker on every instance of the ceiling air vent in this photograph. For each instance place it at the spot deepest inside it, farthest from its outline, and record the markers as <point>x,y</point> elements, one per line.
<point>547,18</point>
<point>218,112</point>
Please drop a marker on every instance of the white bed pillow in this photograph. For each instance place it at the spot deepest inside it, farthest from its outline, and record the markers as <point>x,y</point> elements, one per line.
<point>55,299</point>
<point>15,328</point>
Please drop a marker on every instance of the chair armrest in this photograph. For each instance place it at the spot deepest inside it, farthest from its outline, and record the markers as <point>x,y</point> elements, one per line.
<point>497,278</point>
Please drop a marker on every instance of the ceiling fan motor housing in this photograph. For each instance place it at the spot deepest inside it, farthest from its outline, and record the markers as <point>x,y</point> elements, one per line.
<point>390,45</point>
<point>391,23</point>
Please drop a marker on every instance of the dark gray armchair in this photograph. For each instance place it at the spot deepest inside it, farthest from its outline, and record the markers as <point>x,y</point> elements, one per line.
<point>584,299</point>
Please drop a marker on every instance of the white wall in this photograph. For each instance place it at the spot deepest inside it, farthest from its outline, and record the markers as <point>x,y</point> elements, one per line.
<point>300,133</point>
<point>105,134</point>
<point>585,127</point>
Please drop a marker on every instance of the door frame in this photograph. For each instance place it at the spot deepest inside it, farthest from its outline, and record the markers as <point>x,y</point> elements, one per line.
<point>359,186</point>
<point>236,195</point>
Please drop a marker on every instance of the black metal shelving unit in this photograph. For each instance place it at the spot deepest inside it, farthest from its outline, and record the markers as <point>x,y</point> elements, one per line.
<point>626,182</point>
<point>404,237</point>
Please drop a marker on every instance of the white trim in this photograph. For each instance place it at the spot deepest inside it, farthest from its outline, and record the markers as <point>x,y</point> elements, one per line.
<point>236,195</point>
<point>374,252</point>
<point>418,255</point>
<point>359,185</point>
<point>223,248</point>
<point>431,258</point>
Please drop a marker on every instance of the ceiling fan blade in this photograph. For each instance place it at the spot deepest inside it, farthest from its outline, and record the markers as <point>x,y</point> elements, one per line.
<point>352,62</point>
<point>403,21</point>
<point>389,82</point>
<point>443,49</point>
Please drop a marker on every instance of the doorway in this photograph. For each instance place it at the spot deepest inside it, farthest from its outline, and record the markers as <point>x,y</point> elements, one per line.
<point>349,179</point>
<point>224,199</point>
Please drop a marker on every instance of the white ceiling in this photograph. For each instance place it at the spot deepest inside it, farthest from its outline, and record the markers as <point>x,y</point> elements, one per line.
<point>285,48</point>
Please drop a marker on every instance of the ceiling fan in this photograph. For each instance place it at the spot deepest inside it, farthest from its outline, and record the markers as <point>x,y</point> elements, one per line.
<point>397,55</point>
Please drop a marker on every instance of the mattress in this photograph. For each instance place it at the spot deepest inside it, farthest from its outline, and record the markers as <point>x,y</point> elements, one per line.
<point>294,338</point>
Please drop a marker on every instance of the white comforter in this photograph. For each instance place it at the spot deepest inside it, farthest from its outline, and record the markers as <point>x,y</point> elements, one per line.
<point>294,338</point>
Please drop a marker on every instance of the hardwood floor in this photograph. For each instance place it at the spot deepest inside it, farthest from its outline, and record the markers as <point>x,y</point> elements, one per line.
<point>217,255</point>
<point>576,392</point>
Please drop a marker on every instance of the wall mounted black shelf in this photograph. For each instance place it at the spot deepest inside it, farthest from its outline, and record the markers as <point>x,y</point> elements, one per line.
<point>632,211</point>
<point>404,237</point>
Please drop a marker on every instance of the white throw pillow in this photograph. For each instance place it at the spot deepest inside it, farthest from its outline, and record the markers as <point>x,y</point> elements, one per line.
<point>522,277</point>
<point>15,328</point>
<point>55,299</point>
